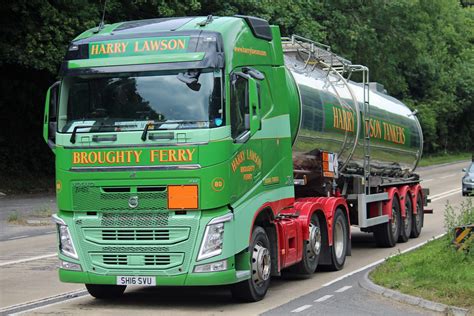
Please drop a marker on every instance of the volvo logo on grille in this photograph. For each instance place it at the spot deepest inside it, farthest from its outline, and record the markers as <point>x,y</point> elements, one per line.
<point>133,201</point>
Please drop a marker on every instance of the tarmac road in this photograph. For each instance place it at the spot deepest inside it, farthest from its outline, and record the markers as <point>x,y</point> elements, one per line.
<point>29,281</point>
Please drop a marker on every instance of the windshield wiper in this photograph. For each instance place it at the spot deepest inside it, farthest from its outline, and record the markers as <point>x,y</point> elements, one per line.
<point>74,131</point>
<point>158,124</point>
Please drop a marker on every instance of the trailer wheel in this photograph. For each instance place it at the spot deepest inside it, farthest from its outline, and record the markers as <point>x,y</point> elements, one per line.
<point>105,291</point>
<point>340,238</point>
<point>406,223</point>
<point>386,234</point>
<point>255,288</point>
<point>311,249</point>
<point>417,222</point>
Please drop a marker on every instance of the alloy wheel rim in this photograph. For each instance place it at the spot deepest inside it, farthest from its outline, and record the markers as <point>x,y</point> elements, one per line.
<point>314,240</point>
<point>338,239</point>
<point>394,221</point>
<point>261,263</point>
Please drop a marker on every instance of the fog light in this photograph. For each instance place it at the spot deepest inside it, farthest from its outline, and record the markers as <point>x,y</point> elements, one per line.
<point>70,266</point>
<point>211,267</point>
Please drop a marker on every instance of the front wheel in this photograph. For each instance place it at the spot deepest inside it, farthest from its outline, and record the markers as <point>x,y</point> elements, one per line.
<point>340,238</point>
<point>105,291</point>
<point>255,288</point>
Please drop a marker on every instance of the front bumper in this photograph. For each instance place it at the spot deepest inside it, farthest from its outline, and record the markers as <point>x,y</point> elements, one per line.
<point>467,187</point>
<point>190,279</point>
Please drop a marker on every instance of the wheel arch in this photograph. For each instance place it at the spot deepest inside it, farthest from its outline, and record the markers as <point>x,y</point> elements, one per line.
<point>387,205</point>
<point>265,218</point>
<point>403,191</point>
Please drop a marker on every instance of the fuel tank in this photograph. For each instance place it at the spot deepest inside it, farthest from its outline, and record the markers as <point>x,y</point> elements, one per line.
<point>330,116</point>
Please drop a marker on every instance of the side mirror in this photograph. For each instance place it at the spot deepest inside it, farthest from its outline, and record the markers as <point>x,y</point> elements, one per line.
<point>464,169</point>
<point>50,115</point>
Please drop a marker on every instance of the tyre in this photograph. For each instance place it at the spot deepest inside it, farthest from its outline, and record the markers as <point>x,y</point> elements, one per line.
<point>105,291</point>
<point>417,222</point>
<point>386,234</point>
<point>406,223</point>
<point>311,249</point>
<point>340,238</point>
<point>255,288</point>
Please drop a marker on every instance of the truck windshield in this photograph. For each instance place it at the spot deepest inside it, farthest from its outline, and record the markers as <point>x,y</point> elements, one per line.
<point>129,102</point>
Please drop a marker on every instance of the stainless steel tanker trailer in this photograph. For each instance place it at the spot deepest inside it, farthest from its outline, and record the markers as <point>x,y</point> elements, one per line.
<point>352,139</point>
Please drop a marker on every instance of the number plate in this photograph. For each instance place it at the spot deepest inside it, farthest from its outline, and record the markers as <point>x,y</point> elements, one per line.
<point>136,280</point>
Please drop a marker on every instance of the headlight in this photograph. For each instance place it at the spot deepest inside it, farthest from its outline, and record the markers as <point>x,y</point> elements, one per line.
<point>466,180</point>
<point>66,245</point>
<point>213,240</point>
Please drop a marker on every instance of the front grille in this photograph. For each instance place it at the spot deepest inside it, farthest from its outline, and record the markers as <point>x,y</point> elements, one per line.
<point>135,219</point>
<point>123,249</point>
<point>114,259</point>
<point>157,260</point>
<point>88,197</point>
<point>137,235</point>
<point>134,261</point>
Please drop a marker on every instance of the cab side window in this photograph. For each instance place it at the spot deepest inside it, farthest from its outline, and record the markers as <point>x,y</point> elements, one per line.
<point>239,105</point>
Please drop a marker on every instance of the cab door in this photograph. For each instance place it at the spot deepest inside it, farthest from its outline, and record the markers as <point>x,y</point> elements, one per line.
<point>246,162</point>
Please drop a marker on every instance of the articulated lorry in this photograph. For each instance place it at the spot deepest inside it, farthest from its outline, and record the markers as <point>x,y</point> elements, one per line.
<point>211,151</point>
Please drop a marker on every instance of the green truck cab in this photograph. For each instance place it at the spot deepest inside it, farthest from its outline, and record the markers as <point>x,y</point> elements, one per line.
<point>169,135</point>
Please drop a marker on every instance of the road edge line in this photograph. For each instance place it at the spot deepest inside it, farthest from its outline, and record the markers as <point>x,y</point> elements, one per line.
<point>42,302</point>
<point>370,265</point>
<point>28,259</point>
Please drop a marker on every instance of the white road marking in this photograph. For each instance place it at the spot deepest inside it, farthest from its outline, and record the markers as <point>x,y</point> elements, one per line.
<point>451,175</point>
<point>324,298</point>
<point>18,237</point>
<point>301,308</point>
<point>424,181</point>
<point>344,288</point>
<point>434,196</point>
<point>51,232</point>
<point>28,259</point>
<point>380,261</point>
<point>457,191</point>
<point>65,297</point>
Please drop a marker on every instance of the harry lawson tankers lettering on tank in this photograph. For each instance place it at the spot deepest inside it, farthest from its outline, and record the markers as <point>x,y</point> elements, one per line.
<point>209,151</point>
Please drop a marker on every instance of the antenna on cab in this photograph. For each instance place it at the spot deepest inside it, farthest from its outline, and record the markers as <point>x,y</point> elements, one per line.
<point>101,24</point>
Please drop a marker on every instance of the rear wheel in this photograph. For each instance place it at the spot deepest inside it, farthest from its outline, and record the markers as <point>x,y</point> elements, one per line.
<point>417,218</point>
<point>340,238</point>
<point>386,234</point>
<point>406,223</point>
<point>105,291</point>
<point>255,288</point>
<point>311,249</point>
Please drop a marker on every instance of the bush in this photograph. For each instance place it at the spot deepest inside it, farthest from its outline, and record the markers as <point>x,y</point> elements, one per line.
<point>459,216</point>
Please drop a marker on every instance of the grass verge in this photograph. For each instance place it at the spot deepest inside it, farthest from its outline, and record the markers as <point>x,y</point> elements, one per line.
<point>436,159</point>
<point>435,271</point>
